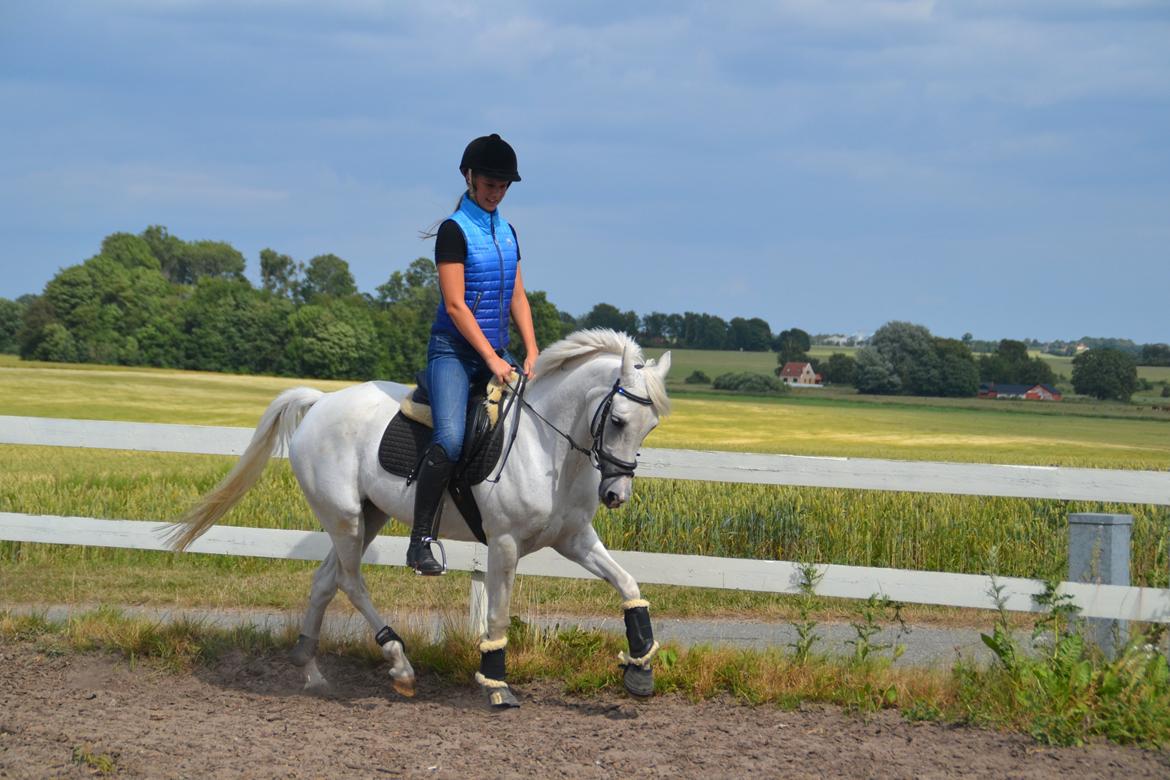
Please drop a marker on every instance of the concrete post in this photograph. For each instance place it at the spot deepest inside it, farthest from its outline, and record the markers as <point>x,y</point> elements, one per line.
<point>477,616</point>
<point>1098,552</point>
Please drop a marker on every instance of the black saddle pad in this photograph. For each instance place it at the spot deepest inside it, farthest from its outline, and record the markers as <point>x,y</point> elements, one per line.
<point>404,441</point>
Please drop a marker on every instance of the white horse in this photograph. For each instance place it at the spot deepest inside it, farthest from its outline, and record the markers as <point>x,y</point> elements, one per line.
<point>582,419</point>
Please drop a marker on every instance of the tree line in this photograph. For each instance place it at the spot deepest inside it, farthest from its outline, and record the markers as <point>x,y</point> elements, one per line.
<point>154,299</point>
<point>902,358</point>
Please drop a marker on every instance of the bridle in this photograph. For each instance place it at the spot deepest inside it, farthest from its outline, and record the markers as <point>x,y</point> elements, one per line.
<point>610,466</point>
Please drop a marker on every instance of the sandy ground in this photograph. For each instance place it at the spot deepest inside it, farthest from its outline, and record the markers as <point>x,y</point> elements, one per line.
<point>247,717</point>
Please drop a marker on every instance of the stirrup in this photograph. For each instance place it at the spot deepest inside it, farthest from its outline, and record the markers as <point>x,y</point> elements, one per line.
<point>426,543</point>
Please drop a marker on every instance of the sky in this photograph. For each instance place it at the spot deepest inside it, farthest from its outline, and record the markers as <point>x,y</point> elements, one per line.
<point>993,167</point>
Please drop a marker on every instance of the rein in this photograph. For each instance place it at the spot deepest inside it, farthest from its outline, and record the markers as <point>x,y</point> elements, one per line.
<point>609,465</point>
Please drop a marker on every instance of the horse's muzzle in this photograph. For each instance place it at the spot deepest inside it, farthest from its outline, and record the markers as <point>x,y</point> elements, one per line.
<point>615,492</point>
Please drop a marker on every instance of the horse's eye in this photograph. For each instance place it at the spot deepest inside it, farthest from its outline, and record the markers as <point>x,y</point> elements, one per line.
<point>617,422</point>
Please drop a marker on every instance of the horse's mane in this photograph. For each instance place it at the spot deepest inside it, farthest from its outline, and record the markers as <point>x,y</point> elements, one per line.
<point>594,341</point>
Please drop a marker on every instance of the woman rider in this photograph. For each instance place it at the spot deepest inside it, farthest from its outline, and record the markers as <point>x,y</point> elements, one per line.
<point>479,280</point>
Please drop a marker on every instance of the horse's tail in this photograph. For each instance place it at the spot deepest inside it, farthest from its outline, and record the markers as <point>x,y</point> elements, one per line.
<point>276,427</point>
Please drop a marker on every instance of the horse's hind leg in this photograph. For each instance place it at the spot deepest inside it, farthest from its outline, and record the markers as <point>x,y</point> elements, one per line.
<point>324,588</point>
<point>320,594</point>
<point>349,542</point>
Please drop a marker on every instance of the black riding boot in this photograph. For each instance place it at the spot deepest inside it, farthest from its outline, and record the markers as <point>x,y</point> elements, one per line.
<point>433,475</point>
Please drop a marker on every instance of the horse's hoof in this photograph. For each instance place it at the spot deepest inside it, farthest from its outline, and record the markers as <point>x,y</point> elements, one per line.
<point>639,681</point>
<point>304,651</point>
<point>404,686</point>
<point>501,698</point>
<point>318,687</point>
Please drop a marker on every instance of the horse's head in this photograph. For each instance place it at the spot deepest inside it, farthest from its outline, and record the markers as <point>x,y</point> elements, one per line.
<point>625,415</point>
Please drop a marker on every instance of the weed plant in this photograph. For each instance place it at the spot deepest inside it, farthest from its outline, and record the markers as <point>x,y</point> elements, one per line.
<point>1064,691</point>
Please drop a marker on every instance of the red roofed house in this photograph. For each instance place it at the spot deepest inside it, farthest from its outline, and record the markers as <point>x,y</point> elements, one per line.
<point>795,373</point>
<point>1027,392</point>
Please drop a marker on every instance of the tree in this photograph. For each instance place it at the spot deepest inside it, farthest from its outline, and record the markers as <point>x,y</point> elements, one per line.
<point>841,369</point>
<point>1011,364</point>
<point>327,275</point>
<point>792,345</point>
<point>875,373</point>
<point>166,248</point>
<point>56,344</point>
<point>1105,374</point>
<point>546,323</point>
<point>11,313</point>
<point>754,335</point>
<point>703,331</point>
<point>103,303</point>
<point>130,251</point>
<point>186,262</point>
<point>407,301</point>
<point>228,325</point>
<point>278,273</point>
<point>420,279</point>
<point>655,327</point>
<point>1155,355</point>
<point>605,315</point>
<point>334,339</point>
<point>911,351</point>
<point>958,377</point>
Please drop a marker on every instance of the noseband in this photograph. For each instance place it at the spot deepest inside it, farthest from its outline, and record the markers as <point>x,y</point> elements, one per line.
<point>609,465</point>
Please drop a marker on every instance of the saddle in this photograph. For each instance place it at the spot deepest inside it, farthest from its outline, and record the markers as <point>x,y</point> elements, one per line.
<point>408,435</point>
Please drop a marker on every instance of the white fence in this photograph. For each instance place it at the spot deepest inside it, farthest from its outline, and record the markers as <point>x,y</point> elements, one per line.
<point>1115,602</point>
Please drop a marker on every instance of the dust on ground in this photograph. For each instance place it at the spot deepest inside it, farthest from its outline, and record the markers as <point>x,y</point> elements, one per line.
<point>78,714</point>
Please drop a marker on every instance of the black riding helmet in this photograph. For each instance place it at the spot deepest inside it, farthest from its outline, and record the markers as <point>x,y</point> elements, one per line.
<point>491,156</point>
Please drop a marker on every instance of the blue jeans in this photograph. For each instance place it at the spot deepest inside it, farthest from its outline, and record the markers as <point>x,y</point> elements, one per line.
<point>452,368</point>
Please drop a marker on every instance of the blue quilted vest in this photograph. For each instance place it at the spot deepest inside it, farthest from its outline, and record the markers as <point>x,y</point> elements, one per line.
<point>488,275</point>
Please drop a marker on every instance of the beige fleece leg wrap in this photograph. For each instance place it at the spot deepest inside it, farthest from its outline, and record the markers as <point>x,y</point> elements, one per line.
<point>488,645</point>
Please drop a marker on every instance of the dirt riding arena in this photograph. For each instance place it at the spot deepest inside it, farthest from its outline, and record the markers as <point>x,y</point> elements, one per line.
<point>63,716</point>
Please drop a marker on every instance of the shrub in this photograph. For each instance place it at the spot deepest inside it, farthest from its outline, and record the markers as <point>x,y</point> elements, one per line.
<point>698,378</point>
<point>747,382</point>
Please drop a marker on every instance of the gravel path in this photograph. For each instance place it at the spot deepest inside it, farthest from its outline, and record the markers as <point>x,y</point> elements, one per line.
<point>71,715</point>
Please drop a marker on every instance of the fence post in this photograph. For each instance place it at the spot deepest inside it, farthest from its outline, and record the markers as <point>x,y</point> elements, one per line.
<point>477,616</point>
<point>1098,552</point>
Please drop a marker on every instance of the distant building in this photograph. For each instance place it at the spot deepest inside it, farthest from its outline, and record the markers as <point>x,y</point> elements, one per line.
<point>1026,392</point>
<point>796,373</point>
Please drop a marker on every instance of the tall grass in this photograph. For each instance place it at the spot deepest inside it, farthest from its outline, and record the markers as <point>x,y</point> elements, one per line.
<point>854,527</point>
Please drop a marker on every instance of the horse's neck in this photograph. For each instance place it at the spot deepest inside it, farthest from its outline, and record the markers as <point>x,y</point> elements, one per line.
<point>561,396</point>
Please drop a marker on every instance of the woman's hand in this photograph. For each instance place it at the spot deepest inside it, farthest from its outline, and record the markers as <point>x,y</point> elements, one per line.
<point>530,365</point>
<point>500,368</point>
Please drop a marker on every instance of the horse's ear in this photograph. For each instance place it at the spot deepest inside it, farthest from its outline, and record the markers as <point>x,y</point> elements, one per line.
<point>663,365</point>
<point>628,367</point>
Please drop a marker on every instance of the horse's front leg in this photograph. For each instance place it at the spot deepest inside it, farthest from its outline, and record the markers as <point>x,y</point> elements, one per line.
<point>501,573</point>
<point>586,549</point>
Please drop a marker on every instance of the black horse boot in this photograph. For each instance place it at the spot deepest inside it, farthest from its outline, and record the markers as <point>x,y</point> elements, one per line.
<point>433,475</point>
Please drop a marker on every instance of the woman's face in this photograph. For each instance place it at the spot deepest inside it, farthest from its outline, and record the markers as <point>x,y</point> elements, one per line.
<point>486,191</point>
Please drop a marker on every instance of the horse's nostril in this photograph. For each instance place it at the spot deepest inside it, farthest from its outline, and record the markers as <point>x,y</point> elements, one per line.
<point>610,497</point>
